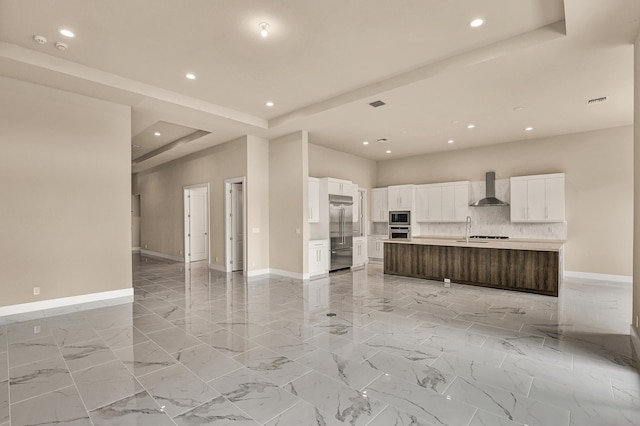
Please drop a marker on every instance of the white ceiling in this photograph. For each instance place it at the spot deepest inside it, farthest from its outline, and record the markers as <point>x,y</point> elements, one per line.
<point>325,61</point>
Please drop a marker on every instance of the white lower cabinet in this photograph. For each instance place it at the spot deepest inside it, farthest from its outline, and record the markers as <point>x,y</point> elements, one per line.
<point>359,251</point>
<point>318,257</point>
<point>376,246</point>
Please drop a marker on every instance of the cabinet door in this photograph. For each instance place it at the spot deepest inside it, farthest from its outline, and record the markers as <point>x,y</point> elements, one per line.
<point>536,200</point>
<point>393,197</point>
<point>406,197</point>
<point>371,247</point>
<point>518,200</point>
<point>434,203</point>
<point>554,190</point>
<point>314,260</point>
<point>461,201</point>
<point>314,200</point>
<point>422,204</point>
<point>355,195</point>
<point>448,203</point>
<point>379,207</point>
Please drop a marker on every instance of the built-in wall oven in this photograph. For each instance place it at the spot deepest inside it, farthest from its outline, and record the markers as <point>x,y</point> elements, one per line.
<point>400,218</point>
<point>399,232</point>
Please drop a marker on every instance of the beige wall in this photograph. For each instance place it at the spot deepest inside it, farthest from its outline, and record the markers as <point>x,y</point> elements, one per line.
<point>598,167</point>
<point>65,168</point>
<point>636,240</point>
<point>288,225</point>
<point>161,197</point>
<point>326,162</point>
<point>257,204</point>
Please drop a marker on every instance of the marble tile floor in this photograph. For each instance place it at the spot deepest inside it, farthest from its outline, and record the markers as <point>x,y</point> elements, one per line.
<point>200,347</point>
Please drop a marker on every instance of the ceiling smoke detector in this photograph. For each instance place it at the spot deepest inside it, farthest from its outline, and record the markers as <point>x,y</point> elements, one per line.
<point>40,39</point>
<point>377,104</point>
<point>595,101</point>
<point>61,46</point>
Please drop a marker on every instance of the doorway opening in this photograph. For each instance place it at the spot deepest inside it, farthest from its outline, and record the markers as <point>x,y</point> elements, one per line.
<point>235,227</point>
<point>196,223</point>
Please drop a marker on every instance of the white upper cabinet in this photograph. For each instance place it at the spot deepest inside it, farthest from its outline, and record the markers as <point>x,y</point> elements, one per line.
<point>379,205</point>
<point>400,197</point>
<point>355,195</point>
<point>442,202</point>
<point>339,186</point>
<point>538,198</point>
<point>314,200</point>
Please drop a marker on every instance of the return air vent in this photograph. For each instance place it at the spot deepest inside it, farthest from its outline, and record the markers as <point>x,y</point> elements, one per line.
<point>595,101</point>
<point>377,104</point>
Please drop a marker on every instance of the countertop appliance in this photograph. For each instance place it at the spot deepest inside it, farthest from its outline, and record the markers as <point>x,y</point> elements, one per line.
<point>399,232</point>
<point>341,231</point>
<point>400,218</point>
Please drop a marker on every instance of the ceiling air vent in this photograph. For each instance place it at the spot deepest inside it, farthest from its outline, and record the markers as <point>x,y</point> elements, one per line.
<point>595,101</point>
<point>377,104</point>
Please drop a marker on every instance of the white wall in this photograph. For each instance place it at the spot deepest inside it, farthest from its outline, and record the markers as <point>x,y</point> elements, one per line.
<point>636,234</point>
<point>598,184</point>
<point>65,214</point>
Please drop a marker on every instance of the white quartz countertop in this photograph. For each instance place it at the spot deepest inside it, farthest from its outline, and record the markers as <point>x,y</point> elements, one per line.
<point>511,244</point>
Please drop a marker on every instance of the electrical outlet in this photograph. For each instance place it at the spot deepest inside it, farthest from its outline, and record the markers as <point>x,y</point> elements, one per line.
<point>217,258</point>
<point>447,282</point>
<point>145,246</point>
<point>36,329</point>
<point>637,321</point>
<point>36,291</point>
<point>179,251</point>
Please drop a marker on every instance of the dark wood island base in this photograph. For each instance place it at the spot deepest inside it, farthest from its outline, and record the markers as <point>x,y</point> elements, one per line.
<point>510,269</point>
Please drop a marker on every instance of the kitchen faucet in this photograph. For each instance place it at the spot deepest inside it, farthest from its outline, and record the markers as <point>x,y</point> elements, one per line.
<point>467,229</point>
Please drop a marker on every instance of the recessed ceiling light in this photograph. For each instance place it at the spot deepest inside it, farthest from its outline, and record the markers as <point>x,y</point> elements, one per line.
<point>269,104</point>
<point>388,151</point>
<point>478,22</point>
<point>471,126</point>
<point>190,76</point>
<point>517,109</point>
<point>365,143</point>
<point>157,134</point>
<point>450,141</point>
<point>264,29</point>
<point>528,129</point>
<point>66,32</point>
<point>61,46</point>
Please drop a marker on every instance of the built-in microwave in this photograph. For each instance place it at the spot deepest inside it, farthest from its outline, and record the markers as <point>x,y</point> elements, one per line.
<point>399,232</point>
<point>400,218</point>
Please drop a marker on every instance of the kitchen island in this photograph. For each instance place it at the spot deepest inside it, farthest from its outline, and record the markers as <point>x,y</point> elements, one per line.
<point>533,266</point>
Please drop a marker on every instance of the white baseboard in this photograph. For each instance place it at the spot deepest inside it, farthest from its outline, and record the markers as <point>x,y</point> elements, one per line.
<point>217,267</point>
<point>126,294</point>
<point>257,272</point>
<point>599,277</point>
<point>635,339</point>
<point>161,255</point>
<point>289,274</point>
<point>135,249</point>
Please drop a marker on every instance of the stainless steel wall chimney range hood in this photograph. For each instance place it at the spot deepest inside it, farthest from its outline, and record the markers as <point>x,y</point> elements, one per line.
<point>490,199</point>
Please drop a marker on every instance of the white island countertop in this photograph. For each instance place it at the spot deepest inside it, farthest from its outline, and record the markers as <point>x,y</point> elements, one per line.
<point>509,244</point>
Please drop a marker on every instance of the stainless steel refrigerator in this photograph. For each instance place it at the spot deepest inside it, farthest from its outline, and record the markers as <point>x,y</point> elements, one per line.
<point>341,231</point>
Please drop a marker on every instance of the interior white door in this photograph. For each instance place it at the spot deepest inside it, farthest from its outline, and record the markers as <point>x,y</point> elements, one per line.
<point>237,226</point>
<point>198,224</point>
